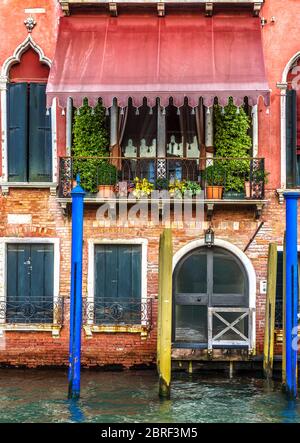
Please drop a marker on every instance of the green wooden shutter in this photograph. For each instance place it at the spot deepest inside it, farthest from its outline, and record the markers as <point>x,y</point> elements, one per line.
<point>100,272</point>
<point>41,288</point>
<point>40,149</point>
<point>30,283</point>
<point>118,280</point>
<point>18,281</point>
<point>17,132</point>
<point>291,137</point>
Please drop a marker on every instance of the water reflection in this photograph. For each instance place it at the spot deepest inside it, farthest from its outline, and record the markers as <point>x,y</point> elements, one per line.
<point>132,396</point>
<point>290,413</point>
<point>76,413</point>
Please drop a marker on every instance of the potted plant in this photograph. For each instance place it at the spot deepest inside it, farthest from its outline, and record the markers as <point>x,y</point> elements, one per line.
<point>234,188</point>
<point>176,188</point>
<point>233,143</point>
<point>214,179</point>
<point>192,188</point>
<point>90,144</point>
<point>142,187</point>
<point>106,179</point>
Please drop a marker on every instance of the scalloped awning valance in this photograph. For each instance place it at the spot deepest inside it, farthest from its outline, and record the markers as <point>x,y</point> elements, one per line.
<point>142,55</point>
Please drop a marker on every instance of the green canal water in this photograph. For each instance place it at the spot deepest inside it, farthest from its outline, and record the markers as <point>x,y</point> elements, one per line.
<point>131,396</point>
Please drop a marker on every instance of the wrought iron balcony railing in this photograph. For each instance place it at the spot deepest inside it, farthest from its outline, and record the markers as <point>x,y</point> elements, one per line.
<point>238,177</point>
<point>32,310</point>
<point>118,312</point>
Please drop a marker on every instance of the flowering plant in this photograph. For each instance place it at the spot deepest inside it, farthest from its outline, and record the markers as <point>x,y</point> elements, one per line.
<point>177,187</point>
<point>142,187</point>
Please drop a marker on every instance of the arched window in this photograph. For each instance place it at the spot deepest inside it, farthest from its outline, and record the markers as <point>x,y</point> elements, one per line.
<point>28,123</point>
<point>204,278</point>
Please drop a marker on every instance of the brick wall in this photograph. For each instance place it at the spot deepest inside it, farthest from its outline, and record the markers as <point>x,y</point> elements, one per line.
<point>127,349</point>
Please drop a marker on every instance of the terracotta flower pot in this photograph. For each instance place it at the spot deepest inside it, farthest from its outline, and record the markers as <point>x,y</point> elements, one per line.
<point>214,192</point>
<point>106,191</point>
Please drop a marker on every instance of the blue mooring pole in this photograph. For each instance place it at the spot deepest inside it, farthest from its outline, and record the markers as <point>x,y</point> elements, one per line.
<point>76,291</point>
<point>291,316</point>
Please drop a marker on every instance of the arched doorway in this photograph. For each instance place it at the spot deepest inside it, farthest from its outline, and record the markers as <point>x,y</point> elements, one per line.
<point>211,305</point>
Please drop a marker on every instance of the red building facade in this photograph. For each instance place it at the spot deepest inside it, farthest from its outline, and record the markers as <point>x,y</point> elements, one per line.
<point>35,227</point>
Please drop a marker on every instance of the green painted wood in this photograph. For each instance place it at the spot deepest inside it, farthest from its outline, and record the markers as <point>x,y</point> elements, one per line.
<point>17,132</point>
<point>270,311</point>
<point>40,144</point>
<point>42,263</point>
<point>125,275</point>
<point>291,137</point>
<point>30,269</point>
<point>118,272</point>
<point>136,276</point>
<point>99,272</point>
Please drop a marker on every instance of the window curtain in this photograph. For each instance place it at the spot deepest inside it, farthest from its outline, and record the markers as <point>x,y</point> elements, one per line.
<point>200,127</point>
<point>118,119</point>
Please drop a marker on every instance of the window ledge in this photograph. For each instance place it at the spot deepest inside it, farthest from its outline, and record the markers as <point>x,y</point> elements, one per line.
<point>113,329</point>
<point>29,185</point>
<point>34,327</point>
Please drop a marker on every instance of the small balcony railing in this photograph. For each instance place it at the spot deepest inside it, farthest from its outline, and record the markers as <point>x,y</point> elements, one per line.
<point>32,310</point>
<point>238,177</point>
<point>118,312</point>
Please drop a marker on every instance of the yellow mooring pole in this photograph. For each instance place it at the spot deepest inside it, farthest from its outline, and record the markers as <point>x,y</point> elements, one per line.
<point>160,266</point>
<point>270,311</point>
<point>283,315</point>
<point>165,314</point>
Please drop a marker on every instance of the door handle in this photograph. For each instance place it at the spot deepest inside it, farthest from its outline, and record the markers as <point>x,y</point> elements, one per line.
<point>199,299</point>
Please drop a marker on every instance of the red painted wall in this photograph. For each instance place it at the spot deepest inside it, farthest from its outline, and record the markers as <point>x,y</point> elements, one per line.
<point>30,69</point>
<point>280,41</point>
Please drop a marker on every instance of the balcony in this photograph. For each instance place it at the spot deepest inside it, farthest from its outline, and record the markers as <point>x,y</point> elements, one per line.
<point>111,315</point>
<point>212,181</point>
<point>34,313</point>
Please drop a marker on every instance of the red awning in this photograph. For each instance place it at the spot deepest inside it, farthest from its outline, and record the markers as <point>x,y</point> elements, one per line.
<point>186,55</point>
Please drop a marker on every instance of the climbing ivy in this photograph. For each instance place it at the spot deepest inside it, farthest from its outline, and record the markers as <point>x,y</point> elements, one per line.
<point>90,139</point>
<point>231,140</point>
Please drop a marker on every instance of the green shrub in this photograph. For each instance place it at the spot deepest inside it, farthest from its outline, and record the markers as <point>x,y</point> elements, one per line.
<point>231,140</point>
<point>107,174</point>
<point>215,173</point>
<point>90,139</point>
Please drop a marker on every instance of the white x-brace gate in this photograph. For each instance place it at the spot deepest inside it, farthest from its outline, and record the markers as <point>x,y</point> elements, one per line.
<point>244,340</point>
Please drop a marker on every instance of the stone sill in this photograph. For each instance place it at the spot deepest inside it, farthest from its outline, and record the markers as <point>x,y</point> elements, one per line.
<point>24,327</point>
<point>114,329</point>
<point>28,185</point>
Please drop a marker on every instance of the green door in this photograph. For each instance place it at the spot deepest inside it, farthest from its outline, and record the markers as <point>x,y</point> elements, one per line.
<point>29,283</point>
<point>206,277</point>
